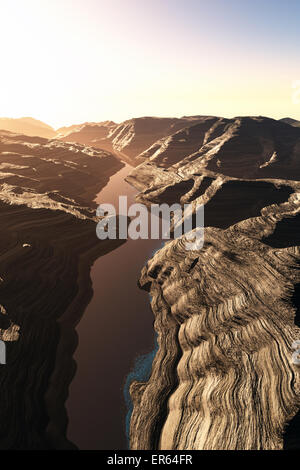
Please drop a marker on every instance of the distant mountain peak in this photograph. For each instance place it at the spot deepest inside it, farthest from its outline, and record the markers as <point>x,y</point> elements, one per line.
<point>28,126</point>
<point>291,121</point>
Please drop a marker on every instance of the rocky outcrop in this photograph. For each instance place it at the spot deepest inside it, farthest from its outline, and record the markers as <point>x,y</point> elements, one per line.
<point>135,135</point>
<point>48,244</point>
<point>226,315</point>
<point>243,147</point>
<point>226,318</point>
<point>130,138</point>
<point>256,147</point>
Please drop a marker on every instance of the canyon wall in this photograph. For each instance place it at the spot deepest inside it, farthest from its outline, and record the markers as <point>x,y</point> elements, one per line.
<point>226,315</point>
<point>48,244</point>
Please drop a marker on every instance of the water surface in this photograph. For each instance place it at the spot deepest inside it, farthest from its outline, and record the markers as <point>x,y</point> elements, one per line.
<point>115,329</point>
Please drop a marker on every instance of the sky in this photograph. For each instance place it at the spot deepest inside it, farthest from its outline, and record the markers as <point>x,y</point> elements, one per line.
<point>70,61</point>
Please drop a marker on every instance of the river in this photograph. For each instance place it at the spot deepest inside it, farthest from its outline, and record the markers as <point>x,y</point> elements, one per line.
<point>116,328</point>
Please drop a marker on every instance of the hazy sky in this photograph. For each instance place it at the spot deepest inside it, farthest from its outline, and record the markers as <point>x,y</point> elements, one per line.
<point>69,61</point>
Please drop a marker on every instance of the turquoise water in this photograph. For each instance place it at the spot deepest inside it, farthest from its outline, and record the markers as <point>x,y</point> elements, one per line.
<point>141,372</point>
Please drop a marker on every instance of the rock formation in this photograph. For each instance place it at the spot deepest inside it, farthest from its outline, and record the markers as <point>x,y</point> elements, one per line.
<point>129,138</point>
<point>226,315</point>
<point>48,244</point>
<point>244,147</point>
<point>135,135</point>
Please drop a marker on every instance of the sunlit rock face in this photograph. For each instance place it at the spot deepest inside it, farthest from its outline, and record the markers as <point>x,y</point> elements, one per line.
<point>47,246</point>
<point>226,315</point>
<point>132,137</point>
<point>8,330</point>
<point>242,147</point>
<point>54,169</point>
<point>223,376</point>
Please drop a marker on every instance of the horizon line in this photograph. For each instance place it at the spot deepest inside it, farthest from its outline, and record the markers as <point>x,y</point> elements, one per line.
<point>143,117</point>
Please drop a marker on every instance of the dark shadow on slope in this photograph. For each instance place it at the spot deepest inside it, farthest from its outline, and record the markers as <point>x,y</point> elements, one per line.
<point>296,302</point>
<point>240,200</point>
<point>205,184</point>
<point>291,438</point>
<point>287,233</point>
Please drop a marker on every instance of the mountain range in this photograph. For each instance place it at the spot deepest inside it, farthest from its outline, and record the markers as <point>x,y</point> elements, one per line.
<point>48,246</point>
<point>249,146</point>
<point>226,315</point>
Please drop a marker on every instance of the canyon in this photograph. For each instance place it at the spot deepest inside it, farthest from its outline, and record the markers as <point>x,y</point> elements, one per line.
<point>225,317</point>
<point>48,246</point>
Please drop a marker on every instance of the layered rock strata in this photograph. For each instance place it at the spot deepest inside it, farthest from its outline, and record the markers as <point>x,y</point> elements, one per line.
<point>227,315</point>
<point>48,244</point>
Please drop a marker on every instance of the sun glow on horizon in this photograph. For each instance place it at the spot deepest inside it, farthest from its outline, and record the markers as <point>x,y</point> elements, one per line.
<point>72,61</point>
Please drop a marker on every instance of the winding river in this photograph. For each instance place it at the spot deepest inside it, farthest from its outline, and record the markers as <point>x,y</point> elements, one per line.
<point>116,328</point>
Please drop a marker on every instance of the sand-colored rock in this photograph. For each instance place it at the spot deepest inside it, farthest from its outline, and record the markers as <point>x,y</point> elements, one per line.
<point>226,318</point>
<point>134,136</point>
<point>129,138</point>
<point>226,315</point>
<point>242,147</point>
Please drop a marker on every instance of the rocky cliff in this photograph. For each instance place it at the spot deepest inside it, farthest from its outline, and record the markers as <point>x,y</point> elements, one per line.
<point>135,135</point>
<point>226,315</point>
<point>244,147</point>
<point>129,138</point>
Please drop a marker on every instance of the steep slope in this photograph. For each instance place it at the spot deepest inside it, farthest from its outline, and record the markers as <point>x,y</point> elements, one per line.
<point>244,147</point>
<point>135,135</point>
<point>129,138</point>
<point>186,141</point>
<point>226,315</point>
<point>28,126</point>
<point>226,318</point>
<point>48,244</point>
